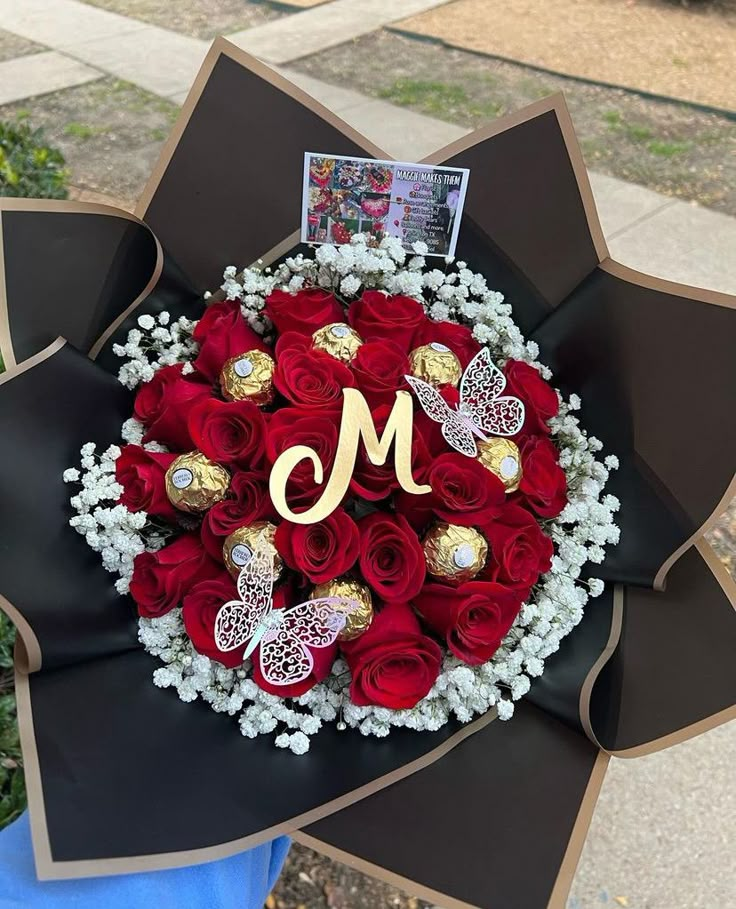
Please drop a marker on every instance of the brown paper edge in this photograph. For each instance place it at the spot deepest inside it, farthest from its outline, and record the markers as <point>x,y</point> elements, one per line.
<point>82,208</point>
<point>48,869</point>
<point>728,586</point>
<point>560,890</point>
<point>7,354</point>
<point>222,47</point>
<point>553,103</point>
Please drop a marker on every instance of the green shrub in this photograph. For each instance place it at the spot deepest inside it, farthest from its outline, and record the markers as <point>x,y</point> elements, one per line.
<point>28,166</point>
<point>12,788</point>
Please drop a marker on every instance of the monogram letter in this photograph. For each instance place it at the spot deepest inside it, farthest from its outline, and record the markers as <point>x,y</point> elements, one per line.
<point>357,423</point>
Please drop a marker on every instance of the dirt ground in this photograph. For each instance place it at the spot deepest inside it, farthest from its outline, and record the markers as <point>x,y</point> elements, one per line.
<point>659,46</point>
<point>312,881</point>
<point>15,46</point>
<point>194,17</point>
<point>109,131</point>
<point>669,147</point>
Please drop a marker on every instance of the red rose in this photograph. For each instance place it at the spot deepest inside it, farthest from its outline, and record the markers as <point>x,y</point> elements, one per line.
<point>321,551</point>
<point>305,311</point>
<point>247,501</point>
<point>317,429</point>
<point>292,341</point>
<point>391,557</point>
<point>416,509</point>
<point>312,378</point>
<point>459,338</point>
<point>543,482</point>
<point>377,316</point>
<point>473,618</point>
<point>392,664</point>
<point>160,579</point>
<point>380,367</point>
<point>163,404</point>
<point>142,474</point>
<point>540,399</point>
<point>463,491</point>
<point>323,658</point>
<point>199,612</point>
<point>373,482</point>
<point>222,333</point>
<point>520,550</point>
<point>231,432</point>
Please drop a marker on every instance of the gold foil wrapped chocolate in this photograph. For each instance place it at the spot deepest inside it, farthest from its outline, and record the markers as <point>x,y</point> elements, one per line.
<point>359,619</point>
<point>502,458</point>
<point>337,339</point>
<point>436,364</point>
<point>238,547</point>
<point>194,483</point>
<point>454,553</point>
<point>248,377</point>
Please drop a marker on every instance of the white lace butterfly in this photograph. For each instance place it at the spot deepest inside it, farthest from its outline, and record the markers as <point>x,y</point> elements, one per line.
<point>285,636</point>
<point>481,409</point>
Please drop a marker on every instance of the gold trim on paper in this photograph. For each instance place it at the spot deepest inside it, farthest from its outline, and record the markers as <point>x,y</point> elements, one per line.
<point>558,896</point>
<point>728,586</point>
<point>222,47</point>
<point>28,650</point>
<point>52,206</point>
<point>48,869</point>
<point>7,354</point>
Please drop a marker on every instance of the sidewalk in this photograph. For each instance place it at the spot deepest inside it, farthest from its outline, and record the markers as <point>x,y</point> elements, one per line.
<point>669,238</point>
<point>661,832</point>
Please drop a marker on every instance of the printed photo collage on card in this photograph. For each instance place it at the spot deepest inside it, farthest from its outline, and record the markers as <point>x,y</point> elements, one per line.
<point>347,196</point>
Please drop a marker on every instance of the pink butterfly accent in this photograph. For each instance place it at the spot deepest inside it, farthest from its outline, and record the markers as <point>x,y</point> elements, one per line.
<point>285,635</point>
<point>482,408</point>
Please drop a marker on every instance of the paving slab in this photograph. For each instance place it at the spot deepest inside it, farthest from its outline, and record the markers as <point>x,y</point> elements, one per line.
<point>621,204</point>
<point>58,23</point>
<point>334,97</point>
<point>159,60</point>
<point>402,133</point>
<point>325,26</point>
<point>682,242</point>
<point>663,830</point>
<point>407,138</point>
<point>12,46</point>
<point>39,74</point>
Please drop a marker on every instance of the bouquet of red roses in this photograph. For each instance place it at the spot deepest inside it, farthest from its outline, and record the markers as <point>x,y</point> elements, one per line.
<point>352,395</point>
<point>269,425</point>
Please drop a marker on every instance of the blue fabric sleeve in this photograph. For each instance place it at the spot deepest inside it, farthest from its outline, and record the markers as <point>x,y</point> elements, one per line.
<point>241,881</point>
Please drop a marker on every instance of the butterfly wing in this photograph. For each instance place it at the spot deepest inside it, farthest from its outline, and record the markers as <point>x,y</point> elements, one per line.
<point>237,621</point>
<point>318,622</point>
<point>482,379</point>
<point>283,658</point>
<point>459,436</point>
<point>433,404</point>
<point>480,389</point>
<point>502,417</point>
<point>284,654</point>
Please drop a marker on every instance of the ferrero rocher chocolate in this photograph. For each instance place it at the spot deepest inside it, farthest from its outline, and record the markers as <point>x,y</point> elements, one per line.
<point>248,377</point>
<point>454,553</point>
<point>502,458</point>
<point>359,619</point>
<point>238,547</point>
<point>194,483</point>
<point>337,339</point>
<point>436,364</point>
